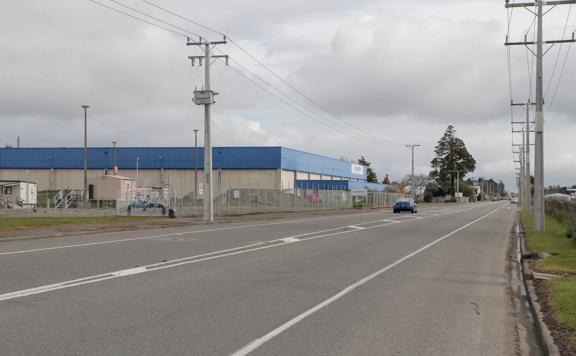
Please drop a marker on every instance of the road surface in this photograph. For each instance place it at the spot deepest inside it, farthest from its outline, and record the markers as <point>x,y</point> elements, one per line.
<point>377,283</point>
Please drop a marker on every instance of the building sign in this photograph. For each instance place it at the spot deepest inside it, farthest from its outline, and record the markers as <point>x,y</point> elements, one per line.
<point>127,185</point>
<point>357,169</point>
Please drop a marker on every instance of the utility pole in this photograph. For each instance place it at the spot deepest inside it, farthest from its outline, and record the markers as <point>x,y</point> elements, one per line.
<point>195,165</point>
<point>413,179</point>
<point>539,219</point>
<point>526,197</point>
<point>85,107</point>
<point>457,182</point>
<point>521,171</point>
<point>114,159</point>
<point>206,97</point>
<point>527,184</point>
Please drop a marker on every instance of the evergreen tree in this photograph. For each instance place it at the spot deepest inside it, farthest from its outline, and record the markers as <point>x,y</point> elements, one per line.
<point>386,180</point>
<point>451,156</point>
<point>370,175</point>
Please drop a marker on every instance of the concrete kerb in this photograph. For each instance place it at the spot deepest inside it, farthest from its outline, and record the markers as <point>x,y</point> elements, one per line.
<point>543,334</point>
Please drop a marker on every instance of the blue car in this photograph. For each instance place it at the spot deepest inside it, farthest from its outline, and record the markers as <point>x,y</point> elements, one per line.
<point>405,204</point>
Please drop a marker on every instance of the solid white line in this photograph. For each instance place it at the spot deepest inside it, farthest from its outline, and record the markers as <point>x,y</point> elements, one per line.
<point>173,263</point>
<point>262,340</point>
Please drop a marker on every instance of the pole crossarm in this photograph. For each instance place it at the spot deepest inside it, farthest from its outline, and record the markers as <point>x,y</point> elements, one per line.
<point>545,3</point>
<point>527,43</point>
<point>522,104</point>
<point>201,58</point>
<point>202,42</point>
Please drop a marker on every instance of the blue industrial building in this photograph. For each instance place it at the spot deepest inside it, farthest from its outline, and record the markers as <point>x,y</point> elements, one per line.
<point>341,185</point>
<point>238,167</point>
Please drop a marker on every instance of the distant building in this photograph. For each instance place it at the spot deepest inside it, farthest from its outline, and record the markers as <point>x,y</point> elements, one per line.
<point>559,196</point>
<point>17,194</point>
<point>234,167</point>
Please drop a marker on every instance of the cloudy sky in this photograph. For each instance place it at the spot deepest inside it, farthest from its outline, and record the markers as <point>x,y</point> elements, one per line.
<point>385,73</point>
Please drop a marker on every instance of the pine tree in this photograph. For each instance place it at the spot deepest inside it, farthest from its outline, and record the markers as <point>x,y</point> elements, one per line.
<point>451,156</point>
<point>370,175</point>
<point>386,180</point>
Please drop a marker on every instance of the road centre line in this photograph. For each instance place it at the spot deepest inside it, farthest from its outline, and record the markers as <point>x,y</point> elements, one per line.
<point>162,236</point>
<point>291,239</point>
<point>179,262</point>
<point>355,227</point>
<point>255,344</point>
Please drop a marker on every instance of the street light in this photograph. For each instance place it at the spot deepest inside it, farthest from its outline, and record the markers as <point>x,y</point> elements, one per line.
<point>137,162</point>
<point>114,159</point>
<point>85,107</point>
<point>195,164</point>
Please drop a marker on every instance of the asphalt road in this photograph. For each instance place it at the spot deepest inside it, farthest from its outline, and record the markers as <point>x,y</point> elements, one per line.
<point>433,283</point>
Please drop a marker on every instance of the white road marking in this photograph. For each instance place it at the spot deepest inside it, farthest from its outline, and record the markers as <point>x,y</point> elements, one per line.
<point>129,272</point>
<point>290,240</point>
<point>262,340</point>
<point>163,235</point>
<point>356,227</point>
<point>115,274</point>
<point>175,263</point>
<point>175,234</point>
<point>392,221</point>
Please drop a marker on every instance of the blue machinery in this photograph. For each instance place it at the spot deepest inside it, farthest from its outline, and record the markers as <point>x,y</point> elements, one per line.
<point>152,198</point>
<point>138,204</point>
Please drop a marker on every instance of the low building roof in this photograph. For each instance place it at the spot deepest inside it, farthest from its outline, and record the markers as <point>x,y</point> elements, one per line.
<point>179,158</point>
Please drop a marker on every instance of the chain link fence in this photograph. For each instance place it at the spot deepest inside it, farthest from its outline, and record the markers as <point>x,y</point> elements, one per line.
<point>236,201</point>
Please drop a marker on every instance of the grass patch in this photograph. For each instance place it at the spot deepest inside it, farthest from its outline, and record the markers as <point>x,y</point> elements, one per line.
<point>563,261</point>
<point>554,242</point>
<point>18,223</point>
<point>563,298</point>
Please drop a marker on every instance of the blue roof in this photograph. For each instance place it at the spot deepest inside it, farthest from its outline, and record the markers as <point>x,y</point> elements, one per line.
<point>176,158</point>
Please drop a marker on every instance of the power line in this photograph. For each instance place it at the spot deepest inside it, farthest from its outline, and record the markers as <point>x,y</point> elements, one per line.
<point>286,97</point>
<point>183,18</point>
<point>290,104</point>
<point>559,78</point>
<point>357,134</point>
<point>559,52</point>
<point>152,17</point>
<point>267,69</point>
<point>138,18</point>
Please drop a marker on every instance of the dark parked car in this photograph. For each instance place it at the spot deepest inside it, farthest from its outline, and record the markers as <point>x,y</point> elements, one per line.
<point>405,204</point>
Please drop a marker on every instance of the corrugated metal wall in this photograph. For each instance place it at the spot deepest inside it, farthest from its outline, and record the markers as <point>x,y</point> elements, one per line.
<point>341,185</point>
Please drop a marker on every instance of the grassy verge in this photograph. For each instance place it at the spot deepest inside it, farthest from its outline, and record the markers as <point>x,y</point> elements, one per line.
<point>19,223</point>
<point>554,242</point>
<point>562,261</point>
